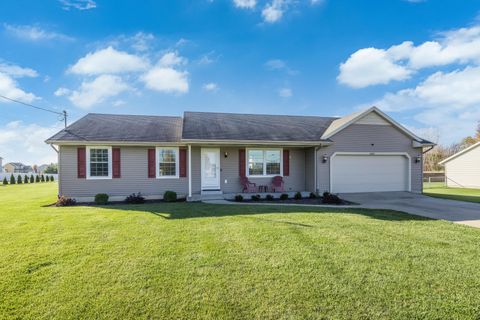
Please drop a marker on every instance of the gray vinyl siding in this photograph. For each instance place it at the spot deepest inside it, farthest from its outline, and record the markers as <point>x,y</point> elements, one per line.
<point>464,170</point>
<point>310,170</point>
<point>369,138</point>
<point>230,171</point>
<point>134,176</point>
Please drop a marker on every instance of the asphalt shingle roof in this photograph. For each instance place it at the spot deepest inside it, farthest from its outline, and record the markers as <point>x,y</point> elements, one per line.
<point>233,126</point>
<point>122,128</point>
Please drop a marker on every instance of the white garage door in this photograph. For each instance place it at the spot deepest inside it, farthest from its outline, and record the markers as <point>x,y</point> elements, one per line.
<point>369,173</point>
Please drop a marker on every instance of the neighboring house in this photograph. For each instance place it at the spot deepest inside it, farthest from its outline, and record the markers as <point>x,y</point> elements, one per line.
<point>1,166</point>
<point>462,169</point>
<point>41,168</point>
<point>207,153</point>
<point>17,167</point>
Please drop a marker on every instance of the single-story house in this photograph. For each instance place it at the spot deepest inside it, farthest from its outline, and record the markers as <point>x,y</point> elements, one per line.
<point>17,167</point>
<point>205,153</point>
<point>462,170</point>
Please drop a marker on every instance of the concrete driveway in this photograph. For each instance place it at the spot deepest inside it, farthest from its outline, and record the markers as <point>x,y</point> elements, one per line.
<point>456,211</point>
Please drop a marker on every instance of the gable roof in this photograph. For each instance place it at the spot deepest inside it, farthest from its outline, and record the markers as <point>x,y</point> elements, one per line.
<point>341,123</point>
<point>253,127</point>
<point>460,153</point>
<point>16,164</point>
<point>197,127</point>
<point>97,127</point>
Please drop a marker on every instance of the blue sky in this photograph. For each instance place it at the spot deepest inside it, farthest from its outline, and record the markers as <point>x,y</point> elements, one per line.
<point>417,60</point>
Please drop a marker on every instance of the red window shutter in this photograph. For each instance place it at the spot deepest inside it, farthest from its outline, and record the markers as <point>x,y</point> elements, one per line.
<point>286,163</point>
<point>151,163</point>
<point>81,163</point>
<point>116,163</point>
<point>183,163</point>
<point>241,162</point>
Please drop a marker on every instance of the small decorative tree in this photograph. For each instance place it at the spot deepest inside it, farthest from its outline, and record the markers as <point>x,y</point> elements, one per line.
<point>32,179</point>
<point>52,178</point>
<point>37,178</point>
<point>42,178</point>
<point>5,181</point>
<point>12,179</point>
<point>19,179</point>
<point>25,179</point>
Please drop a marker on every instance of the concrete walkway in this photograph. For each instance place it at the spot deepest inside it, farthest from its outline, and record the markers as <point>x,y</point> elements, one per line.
<point>466,213</point>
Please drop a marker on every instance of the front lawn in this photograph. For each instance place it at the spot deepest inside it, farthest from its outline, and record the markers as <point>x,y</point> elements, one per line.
<point>192,260</point>
<point>439,190</point>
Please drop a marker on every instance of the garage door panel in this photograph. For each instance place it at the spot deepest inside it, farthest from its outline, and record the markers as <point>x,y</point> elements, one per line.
<point>369,173</point>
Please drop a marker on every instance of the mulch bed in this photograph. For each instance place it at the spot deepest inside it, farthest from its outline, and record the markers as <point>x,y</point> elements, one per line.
<point>312,201</point>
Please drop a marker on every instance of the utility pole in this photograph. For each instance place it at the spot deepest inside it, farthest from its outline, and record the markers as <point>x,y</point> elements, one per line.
<point>65,117</point>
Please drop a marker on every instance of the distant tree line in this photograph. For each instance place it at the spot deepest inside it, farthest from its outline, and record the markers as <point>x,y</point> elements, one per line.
<point>440,152</point>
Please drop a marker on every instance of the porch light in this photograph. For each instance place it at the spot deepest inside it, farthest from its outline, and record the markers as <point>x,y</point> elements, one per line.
<point>225,154</point>
<point>324,158</point>
<point>418,159</point>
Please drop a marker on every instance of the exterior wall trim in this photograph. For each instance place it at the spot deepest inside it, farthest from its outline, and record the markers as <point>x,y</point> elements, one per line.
<point>405,154</point>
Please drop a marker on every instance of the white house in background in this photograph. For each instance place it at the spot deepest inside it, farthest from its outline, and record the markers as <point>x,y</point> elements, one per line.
<point>462,170</point>
<point>1,165</point>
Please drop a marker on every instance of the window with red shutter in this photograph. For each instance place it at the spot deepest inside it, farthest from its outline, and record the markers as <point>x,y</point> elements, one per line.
<point>81,163</point>
<point>241,162</point>
<point>116,173</point>
<point>151,163</point>
<point>183,163</point>
<point>286,163</point>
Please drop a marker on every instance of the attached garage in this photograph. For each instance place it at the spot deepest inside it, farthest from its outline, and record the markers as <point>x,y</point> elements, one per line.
<point>364,172</point>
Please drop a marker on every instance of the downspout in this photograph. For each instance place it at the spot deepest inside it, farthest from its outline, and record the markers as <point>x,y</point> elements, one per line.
<point>189,171</point>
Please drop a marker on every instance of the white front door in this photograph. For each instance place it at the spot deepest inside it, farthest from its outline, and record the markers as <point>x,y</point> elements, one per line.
<point>210,168</point>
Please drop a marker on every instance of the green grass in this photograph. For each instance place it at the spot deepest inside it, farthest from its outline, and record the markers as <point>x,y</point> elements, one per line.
<point>439,190</point>
<point>199,261</point>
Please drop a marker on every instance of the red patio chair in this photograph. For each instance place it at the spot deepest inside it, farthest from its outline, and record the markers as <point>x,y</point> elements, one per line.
<point>278,184</point>
<point>247,185</point>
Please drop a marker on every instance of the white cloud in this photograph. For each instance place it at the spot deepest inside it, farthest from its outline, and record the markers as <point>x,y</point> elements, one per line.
<point>275,64</point>
<point>210,86</point>
<point>34,33</point>
<point>166,79</point>
<point>17,71</point>
<point>371,66</point>
<point>108,60</point>
<point>96,91</point>
<point>9,88</point>
<point>141,41</point>
<point>285,92</point>
<point>60,92</point>
<point>21,142</point>
<point>272,12</point>
<point>207,58</point>
<point>118,103</point>
<point>448,101</point>
<point>78,4</point>
<point>171,59</point>
<point>245,4</point>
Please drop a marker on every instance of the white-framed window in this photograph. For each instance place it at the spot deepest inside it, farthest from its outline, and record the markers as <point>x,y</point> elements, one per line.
<point>99,162</point>
<point>167,162</point>
<point>264,162</point>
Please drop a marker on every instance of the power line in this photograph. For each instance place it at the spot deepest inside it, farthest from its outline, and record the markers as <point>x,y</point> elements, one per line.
<point>63,113</point>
